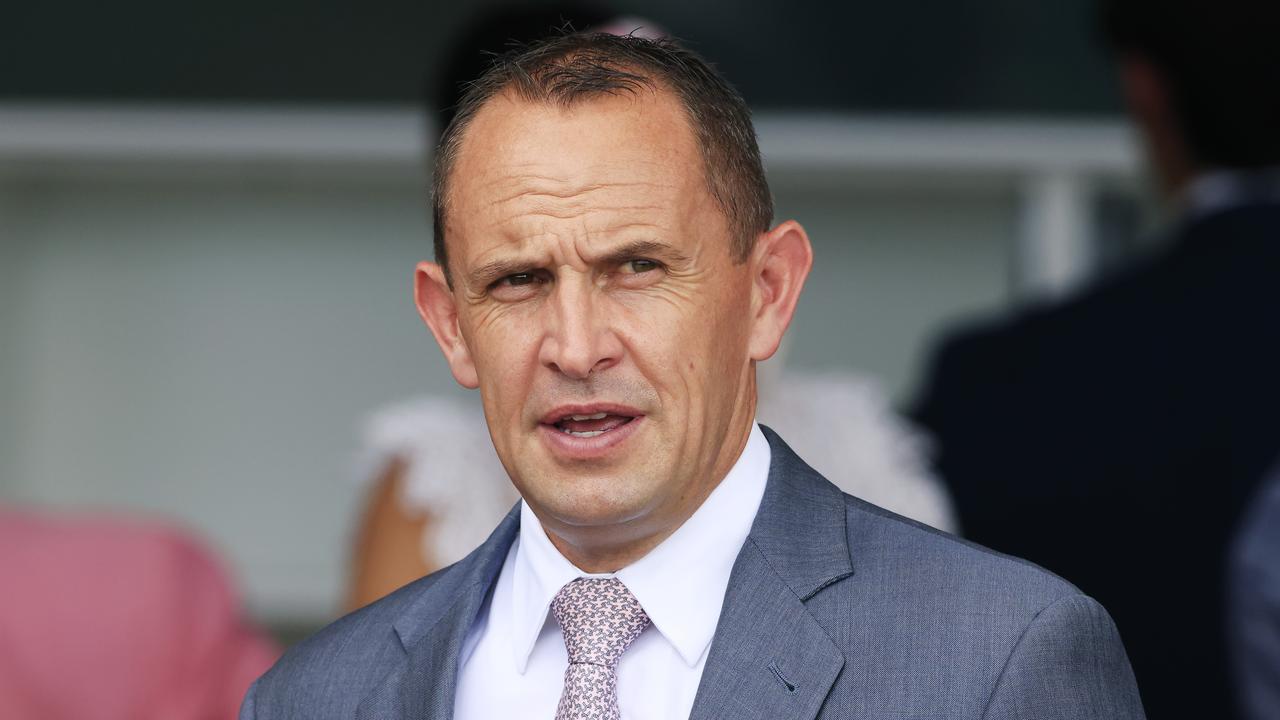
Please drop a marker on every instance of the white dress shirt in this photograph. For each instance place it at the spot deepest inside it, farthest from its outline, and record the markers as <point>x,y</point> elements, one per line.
<point>513,659</point>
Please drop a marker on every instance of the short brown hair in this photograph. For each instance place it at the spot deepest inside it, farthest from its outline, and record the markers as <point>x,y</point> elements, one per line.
<point>570,68</point>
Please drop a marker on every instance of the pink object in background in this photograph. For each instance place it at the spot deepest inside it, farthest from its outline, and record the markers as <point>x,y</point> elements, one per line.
<point>107,619</point>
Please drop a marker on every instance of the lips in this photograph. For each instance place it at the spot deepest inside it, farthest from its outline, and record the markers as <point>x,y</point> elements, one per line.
<point>589,422</point>
<point>588,430</point>
<point>588,426</point>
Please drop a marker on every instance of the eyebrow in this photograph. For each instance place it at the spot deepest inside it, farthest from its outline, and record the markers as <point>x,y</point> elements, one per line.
<point>490,272</point>
<point>643,249</point>
<point>486,274</point>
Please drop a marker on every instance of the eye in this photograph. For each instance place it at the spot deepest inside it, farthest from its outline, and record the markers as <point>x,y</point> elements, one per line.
<point>638,273</point>
<point>639,265</point>
<point>518,286</point>
<point>518,279</point>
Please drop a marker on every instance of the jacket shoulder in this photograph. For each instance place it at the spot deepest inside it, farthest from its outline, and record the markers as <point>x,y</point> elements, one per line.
<point>952,619</point>
<point>330,672</point>
<point>946,569</point>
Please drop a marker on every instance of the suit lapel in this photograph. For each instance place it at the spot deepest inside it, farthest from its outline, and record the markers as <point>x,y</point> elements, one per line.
<point>770,658</point>
<point>431,633</point>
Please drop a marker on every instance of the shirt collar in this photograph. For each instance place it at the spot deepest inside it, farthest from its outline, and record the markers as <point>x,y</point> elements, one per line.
<point>680,583</point>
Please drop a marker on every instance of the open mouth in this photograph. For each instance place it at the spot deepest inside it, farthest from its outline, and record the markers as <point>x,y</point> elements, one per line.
<point>589,431</point>
<point>591,424</point>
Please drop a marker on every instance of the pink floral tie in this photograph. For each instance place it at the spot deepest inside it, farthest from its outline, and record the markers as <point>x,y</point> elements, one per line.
<point>600,619</point>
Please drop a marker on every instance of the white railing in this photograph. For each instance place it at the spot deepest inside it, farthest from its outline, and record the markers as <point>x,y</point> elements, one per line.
<point>1056,165</point>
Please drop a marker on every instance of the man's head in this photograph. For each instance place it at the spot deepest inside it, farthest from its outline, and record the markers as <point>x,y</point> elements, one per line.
<point>569,70</point>
<point>612,280</point>
<point>1200,79</point>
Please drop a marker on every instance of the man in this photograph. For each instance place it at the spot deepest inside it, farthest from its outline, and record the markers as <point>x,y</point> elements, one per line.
<point>608,278</point>
<point>1117,438</point>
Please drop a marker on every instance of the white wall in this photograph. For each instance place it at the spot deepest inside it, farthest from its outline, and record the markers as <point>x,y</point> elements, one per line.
<point>205,350</point>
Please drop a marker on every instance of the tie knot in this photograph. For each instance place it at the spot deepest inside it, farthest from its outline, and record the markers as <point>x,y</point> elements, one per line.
<point>600,618</point>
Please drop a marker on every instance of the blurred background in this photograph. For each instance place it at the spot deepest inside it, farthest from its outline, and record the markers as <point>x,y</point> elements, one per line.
<point>210,214</point>
<point>222,421</point>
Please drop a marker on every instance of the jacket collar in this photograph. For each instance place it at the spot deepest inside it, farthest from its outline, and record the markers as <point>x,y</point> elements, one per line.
<point>801,526</point>
<point>431,631</point>
<point>769,658</point>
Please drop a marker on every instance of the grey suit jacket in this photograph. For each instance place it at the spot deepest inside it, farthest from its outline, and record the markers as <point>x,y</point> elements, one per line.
<point>835,609</point>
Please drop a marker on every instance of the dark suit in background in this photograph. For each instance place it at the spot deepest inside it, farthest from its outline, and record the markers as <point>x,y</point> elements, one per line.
<point>1253,601</point>
<point>1116,439</point>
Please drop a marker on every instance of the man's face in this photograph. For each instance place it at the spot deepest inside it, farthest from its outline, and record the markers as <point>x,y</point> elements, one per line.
<point>603,316</point>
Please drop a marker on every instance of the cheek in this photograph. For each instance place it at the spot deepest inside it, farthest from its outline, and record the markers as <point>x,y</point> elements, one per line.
<point>688,345</point>
<point>657,331</point>
<point>724,319</point>
<point>722,339</point>
<point>504,350</point>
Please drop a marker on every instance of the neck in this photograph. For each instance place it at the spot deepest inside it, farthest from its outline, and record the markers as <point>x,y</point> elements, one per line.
<point>605,558</point>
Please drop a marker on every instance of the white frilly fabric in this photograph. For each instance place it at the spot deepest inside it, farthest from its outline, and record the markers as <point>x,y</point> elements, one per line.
<point>839,423</point>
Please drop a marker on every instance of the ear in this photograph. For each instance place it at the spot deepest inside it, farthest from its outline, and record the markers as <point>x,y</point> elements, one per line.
<point>439,309</point>
<point>780,263</point>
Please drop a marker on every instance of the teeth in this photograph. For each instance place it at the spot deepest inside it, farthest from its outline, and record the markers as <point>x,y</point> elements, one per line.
<point>584,434</point>
<point>597,416</point>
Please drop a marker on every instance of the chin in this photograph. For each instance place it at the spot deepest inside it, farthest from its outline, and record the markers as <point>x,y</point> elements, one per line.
<point>593,500</point>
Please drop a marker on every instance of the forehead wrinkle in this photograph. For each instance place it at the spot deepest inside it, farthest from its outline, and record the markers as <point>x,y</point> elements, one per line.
<point>565,194</point>
<point>518,202</point>
<point>553,212</point>
<point>511,217</point>
<point>566,174</point>
<point>550,188</point>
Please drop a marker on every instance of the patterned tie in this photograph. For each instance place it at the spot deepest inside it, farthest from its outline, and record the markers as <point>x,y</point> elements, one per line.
<point>600,619</point>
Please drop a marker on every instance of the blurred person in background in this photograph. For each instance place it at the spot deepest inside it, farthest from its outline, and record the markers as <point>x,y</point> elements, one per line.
<point>437,487</point>
<point>118,620</point>
<point>610,278</point>
<point>1118,438</point>
<point>1254,605</point>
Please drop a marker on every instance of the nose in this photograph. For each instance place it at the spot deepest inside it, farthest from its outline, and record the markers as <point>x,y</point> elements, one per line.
<point>580,338</point>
